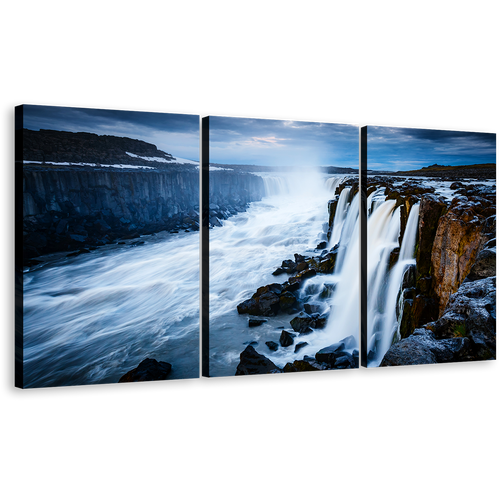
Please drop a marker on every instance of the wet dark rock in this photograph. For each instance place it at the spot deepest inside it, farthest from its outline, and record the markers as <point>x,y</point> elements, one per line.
<point>273,346</point>
<point>456,185</point>
<point>329,354</point>
<point>311,308</point>
<point>301,366</point>
<point>423,348</point>
<point>321,245</point>
<point>250,306</point>
<point>344,361</point>
<point>300,345</point>
<point>286,338</point>
<point>252,322</point>
<point>302,323</point>
<point>278,271</point>
<point>301,266</point>
<point>485,265</point>
<point>253,363</point>
<point>268,303</point>
<point>328,289</point>
<point>289,303</point>
<point>148,369</point>
<point>289,266</point>
<point>471,313</point>
<point>299,258</point>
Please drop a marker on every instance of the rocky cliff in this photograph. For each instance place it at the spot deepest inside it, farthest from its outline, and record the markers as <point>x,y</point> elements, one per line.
<point>78,208</point>
<point>73,197</point>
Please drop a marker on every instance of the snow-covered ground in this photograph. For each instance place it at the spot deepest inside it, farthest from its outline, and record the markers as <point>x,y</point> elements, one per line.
<point>181,161</point>
<point>219,168</point>
<point>67,164</point>
<point>163,160</point>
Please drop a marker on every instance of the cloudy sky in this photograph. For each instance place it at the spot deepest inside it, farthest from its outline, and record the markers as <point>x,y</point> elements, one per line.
<point>409,149</point>
<point>173,133</point>
<point>274,142</point>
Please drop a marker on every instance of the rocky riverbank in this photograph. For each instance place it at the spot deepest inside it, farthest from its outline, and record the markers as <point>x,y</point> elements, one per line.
<point>446,306</point>
<point>448,312</point>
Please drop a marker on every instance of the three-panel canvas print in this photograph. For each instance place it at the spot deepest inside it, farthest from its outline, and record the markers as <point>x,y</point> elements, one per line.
<point>279,246</point>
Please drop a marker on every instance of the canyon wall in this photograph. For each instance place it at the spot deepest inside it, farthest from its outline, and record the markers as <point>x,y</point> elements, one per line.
<point>66,209</point>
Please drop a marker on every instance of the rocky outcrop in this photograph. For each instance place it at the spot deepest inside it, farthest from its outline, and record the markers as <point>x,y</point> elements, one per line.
<point>465,332</point>
<point>149,369</point>
<point>454,251</point>
<point>471,314</point>
<point>339,356</point>
<point>421,348</point>
<point>81,147</point>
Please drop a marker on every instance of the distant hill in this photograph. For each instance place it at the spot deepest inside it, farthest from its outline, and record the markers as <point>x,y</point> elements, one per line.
<point>482,170</point>
<point>477,171</point>
<point>57,147</point>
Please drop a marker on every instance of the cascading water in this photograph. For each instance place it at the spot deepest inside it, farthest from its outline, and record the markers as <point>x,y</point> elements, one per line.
<point>384,284</point>
<point>340,215</point>
<point>92,318</point>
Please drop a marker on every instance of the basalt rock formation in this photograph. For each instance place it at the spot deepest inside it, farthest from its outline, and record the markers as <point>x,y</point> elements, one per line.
<point>76,209</point>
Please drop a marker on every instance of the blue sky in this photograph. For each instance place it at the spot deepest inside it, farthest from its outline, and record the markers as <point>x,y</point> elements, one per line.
<point>274,142</point>
<point>393,149</point>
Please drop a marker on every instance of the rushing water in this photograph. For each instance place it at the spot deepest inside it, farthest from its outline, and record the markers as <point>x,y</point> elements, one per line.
<point>91,318</point>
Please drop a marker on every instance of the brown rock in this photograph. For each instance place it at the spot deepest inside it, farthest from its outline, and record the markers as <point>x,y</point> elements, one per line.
<point>431,209</point>
<point>457,242</point>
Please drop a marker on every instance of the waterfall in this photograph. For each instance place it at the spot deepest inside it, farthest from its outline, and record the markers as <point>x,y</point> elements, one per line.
<point>275,185</point>
<point>113,307</point>
<point>340,214</point>
<point>349,231</point>
<point>384,284</point>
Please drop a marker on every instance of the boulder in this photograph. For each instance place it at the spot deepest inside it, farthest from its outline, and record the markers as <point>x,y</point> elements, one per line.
<point>286,338</point>
<point>149,369</point>
<point>328,355</point>
<point>273,346</point>
<point>253,363</point>
<point>264,302</point>
<point>298,258</point>
<point>288,303</point>
<point>300,345</point>
<point>471,314</point>
<point>422,348</point>
<point>269,304</point>
<point>289,266</point>
<point>302,323</point>
<point>250,306</point>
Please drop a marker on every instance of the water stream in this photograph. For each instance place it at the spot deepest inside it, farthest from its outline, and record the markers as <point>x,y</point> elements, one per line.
<point>91,318</point>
